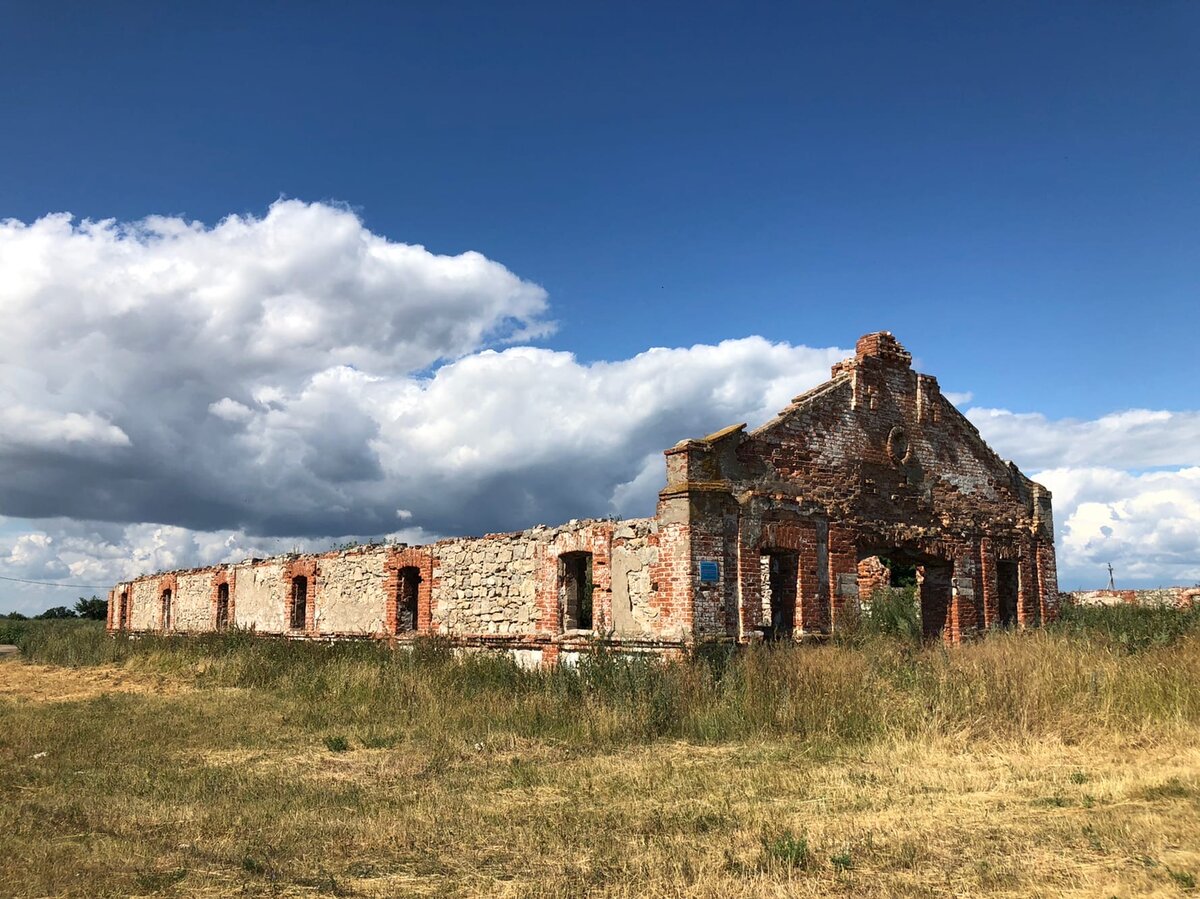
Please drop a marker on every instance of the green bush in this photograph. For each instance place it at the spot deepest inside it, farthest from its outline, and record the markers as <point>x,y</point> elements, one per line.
<point>12,630</point>
<point>894,612</point>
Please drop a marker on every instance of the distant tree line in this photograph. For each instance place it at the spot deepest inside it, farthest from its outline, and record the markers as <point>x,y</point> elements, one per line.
<point>94,609</point>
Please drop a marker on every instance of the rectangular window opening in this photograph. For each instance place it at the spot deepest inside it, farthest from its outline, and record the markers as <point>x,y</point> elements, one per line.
<point>408,585</point>
<point>222,606</point>
<point>575,590</point>
<point>299,603</point>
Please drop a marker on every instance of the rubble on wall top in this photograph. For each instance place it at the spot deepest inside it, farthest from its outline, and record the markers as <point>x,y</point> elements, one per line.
<point>882,345</point>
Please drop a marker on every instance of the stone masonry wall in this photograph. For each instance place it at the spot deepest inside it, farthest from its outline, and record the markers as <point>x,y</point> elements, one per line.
<point>635,553</point>
<point>488,585</point>
<point>352,598</point>
<point>259,596</point>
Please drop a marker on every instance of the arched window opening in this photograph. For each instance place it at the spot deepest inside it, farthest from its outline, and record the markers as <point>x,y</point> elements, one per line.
<point>407,586</point>
<point>222,606</point>
<point>575,590</point>
<point>166,610</point>
<point>299,617</point>
<point>123,611</point>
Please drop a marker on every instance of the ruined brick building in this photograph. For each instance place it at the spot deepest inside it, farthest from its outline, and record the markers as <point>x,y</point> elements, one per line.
<point>777,532</point>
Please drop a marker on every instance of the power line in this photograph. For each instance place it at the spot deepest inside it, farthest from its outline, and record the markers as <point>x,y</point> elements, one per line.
<point>22,580</point>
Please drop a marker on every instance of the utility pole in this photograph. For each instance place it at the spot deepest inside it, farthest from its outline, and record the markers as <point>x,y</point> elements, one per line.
<point>1111,585</point>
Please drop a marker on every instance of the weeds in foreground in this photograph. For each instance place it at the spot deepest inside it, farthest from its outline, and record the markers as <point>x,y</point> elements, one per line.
<point>842,861</point>
<point>1185,880</point>
<point>788,850</point>
<point>337,744</point>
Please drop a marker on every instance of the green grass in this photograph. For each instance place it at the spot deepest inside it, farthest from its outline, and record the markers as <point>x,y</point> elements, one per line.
<point>1129,628</point>
<point>788,850</point>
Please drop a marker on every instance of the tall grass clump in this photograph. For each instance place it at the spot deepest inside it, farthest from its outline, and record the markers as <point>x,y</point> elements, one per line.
<point>1088,673</point>
<point>72,643</point>
<point>12,631</point>
<point>1130,628</point>
<point>893,612</point>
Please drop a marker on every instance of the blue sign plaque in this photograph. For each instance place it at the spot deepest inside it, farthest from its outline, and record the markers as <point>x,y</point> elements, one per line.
<point>710,572</point>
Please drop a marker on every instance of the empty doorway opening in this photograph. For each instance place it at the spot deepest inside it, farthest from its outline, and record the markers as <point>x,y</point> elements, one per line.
<point>935,588</point>
<point>1008,582</point>
<point>780,573</point>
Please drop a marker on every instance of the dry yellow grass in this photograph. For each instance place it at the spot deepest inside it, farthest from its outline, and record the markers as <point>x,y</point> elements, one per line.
<point>213,792</point>
<point>53,683</point>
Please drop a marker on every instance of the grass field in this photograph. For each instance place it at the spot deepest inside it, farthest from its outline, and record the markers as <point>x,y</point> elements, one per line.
<point>1060,762</point>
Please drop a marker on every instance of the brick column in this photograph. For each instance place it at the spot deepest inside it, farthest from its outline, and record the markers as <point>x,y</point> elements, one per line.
<point>812,593</point>
<point>843,573</point>
<point>1047,569</point>
<point>545,574</point>
<point>989,599</point>
<point>671,580</point>
<point>1029,594</point>
<point>963,618</point>
<point>749,582</point>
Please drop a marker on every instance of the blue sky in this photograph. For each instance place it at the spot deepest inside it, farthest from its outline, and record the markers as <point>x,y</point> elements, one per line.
<point>1013,189</point>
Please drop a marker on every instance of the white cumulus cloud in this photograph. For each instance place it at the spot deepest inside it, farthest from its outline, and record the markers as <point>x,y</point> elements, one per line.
<point>1135,438</point>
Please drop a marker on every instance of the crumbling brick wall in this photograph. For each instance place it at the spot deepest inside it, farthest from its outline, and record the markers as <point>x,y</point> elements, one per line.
<point>872,575</point>
<point>874,461</point>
